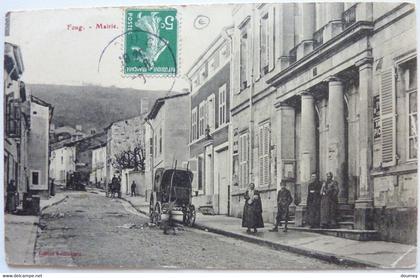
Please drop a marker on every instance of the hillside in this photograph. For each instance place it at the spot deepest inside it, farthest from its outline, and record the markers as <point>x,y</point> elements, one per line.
<point>93,107</point>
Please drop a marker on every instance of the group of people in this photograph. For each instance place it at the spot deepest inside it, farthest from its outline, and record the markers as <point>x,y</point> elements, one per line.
<point>321,205</point>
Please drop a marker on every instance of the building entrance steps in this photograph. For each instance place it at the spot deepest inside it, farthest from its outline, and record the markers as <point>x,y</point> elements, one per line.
<point>309,242</point>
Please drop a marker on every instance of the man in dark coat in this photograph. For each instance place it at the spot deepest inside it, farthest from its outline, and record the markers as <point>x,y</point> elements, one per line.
<point>284,199</point>
<point>252,215</point>
<point>329,202</point>
<point>133,189</point>
<point>313,202</point>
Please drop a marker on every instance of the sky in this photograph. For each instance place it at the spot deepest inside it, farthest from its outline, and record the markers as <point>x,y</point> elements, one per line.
<point>54,52</point>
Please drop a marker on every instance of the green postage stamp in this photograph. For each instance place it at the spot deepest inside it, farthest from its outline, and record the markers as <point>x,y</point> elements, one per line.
<point>151,42</point>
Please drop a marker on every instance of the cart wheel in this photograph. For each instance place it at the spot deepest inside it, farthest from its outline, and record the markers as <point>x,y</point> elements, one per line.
<point>151,211</point>
<point>191,216</point>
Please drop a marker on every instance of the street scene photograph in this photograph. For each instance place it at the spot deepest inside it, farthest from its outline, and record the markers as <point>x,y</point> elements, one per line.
<point>246,136</point>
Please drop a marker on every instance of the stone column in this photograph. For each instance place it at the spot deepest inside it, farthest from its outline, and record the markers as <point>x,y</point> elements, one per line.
<point>285,144</point>
<point>336,135</point>
<point>307,152</point>
<point>364,202</point>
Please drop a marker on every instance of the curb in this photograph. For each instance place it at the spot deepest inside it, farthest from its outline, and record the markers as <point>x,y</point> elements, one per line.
<point>135,207</point>
<point>328,257</point>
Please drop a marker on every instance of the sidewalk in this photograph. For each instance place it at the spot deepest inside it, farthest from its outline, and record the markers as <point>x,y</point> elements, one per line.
<point>21,231</point>
<point>373,254</point>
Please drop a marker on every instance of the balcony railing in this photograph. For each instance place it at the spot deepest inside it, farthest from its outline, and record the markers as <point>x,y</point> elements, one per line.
<point>319,37</point>
<point>293,55</point>
<point>349,16</point>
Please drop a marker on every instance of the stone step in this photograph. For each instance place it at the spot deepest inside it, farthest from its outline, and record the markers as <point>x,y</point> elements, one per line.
<point>346,225</point>
<point>360,235</point>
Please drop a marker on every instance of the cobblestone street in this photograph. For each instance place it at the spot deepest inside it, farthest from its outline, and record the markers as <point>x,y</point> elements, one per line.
<point>90,230</point>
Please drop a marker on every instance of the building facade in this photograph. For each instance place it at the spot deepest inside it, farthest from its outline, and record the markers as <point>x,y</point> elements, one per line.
<point>122,136</point>
<point>210,121</point>
<point>166,135</point>
<point>328,87</point>
<point>62,162</point>
<point>38,146</point>
<point>98,174</point>
<point>16,111</point>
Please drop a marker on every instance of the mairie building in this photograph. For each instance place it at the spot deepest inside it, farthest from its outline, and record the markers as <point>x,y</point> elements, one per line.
<point>328,87</point>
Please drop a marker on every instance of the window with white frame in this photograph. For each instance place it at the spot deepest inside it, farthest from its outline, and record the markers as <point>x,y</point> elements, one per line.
<point>194,124</point>
<point>222,105</point>
<point>243,160</point>
<point>264,154</point>
<point>201,128</point>
<point>264,45</point>
<point>410,87</point>
<point>243,73</point>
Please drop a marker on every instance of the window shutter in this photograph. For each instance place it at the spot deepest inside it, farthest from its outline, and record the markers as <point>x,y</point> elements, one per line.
<point>266,154</point>
<point>257,51</point>
<point>261,155</point>
<point>271,38</point>
<point>236,68</point>
<point>388,114</point>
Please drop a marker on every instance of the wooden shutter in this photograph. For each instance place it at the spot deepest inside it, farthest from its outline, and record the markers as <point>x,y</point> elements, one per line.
<point>261,155</point>
<point>257,51</point>
<point>271,38</point>
<point>236,68</point>
<point>388,117</point>
<point>266,153</point>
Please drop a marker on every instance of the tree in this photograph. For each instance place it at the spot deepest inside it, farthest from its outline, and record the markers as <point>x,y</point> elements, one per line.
<point>130,159</point>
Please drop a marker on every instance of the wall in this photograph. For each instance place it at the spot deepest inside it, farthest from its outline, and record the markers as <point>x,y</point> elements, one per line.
<point>38,145</point>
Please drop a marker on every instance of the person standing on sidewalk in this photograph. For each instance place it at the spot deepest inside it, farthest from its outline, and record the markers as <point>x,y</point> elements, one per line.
<point>10,201</point>
<point>284,199</point>
<point>252,215</point>
<point>313,202</point>
<point>329,202</point>
<point>133,189</point>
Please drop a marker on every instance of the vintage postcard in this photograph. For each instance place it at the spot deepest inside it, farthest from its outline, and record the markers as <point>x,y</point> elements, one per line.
<point>276,136</point>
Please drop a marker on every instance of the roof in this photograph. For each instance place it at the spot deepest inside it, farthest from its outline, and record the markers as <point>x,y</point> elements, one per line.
<point>160,102</point>
<point>39,101</point>
<point>87,139</point>
<point>114,122</point>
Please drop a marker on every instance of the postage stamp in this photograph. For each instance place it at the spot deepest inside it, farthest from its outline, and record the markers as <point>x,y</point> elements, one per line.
<point>151,42</point>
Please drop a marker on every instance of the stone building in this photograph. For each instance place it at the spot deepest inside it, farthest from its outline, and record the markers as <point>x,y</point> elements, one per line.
<point>210,121</point>
<point>321,87</point>
<point>122,136</point>
<point>166,135</point>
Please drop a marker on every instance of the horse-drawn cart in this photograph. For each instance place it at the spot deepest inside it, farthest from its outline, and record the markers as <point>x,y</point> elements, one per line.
<point>171,193</point>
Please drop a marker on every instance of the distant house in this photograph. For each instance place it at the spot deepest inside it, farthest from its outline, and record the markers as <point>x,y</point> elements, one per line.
<point>66,133</point>
<point>62,162</point>
<point>68,157</point>
<point>166,134</point>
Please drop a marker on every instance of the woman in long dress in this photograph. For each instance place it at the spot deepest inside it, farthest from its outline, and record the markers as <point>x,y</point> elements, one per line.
<point>252,215</point>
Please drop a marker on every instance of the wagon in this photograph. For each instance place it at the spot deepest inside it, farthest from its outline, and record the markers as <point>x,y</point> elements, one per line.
<point>171,193</point>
